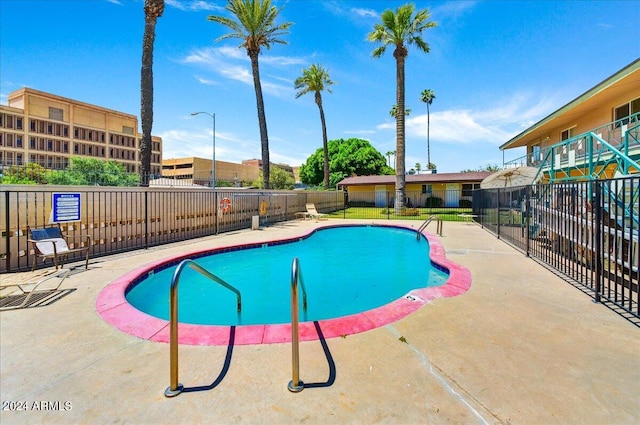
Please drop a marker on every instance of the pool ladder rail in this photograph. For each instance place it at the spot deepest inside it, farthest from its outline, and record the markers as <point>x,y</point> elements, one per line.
<point>426,223</point>
<point>176,388</point>
<point>296,385</point>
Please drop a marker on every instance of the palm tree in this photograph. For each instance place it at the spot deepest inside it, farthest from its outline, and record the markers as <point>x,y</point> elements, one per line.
<point>394,111</point>
<point>427,97</point>
<point>316,79</point>
<point>399,29</point>
<point>255,25</point>
<point>418,167</point>
<point>153,9</point>
<point>388,155</point>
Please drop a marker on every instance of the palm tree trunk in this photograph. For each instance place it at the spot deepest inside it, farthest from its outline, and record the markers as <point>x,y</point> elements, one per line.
<point>325,146</point>
<point>262,120</point>
<point>428,147</point>
<point>146,98</point>
<point>400,55</point>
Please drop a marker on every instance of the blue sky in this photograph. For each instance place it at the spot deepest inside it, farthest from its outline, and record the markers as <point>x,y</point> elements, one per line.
<point>496,67</point>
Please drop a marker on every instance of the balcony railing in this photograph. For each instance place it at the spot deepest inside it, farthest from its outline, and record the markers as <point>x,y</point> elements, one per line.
<point>587,149</point>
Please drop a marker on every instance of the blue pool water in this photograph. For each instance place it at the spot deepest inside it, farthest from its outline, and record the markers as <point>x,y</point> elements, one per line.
<point>346,270</point>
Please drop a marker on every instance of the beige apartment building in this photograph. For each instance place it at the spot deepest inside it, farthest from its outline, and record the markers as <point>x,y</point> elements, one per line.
<point>47,129</point>
<point>609,110</point>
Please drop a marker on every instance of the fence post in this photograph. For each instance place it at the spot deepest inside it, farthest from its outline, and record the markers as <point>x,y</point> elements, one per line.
<point>215,212</point>
<point>498,215</point>
<point>598,237</point>
<point>525,211</point>
<point>6,227</point>
<point>146,218</point>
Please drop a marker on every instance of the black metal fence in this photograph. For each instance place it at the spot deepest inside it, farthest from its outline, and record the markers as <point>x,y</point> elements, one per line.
<point>124,219</point>
<point>449,205</point>
<point>588,231</point>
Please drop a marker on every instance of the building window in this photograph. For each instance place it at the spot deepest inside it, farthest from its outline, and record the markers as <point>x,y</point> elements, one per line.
<point>427,188</point>
<point>622,113</point>
<point>567,134</point>
<point>18,141</point>
<point>56,114</point>
<point>467,188</point>
<point>19,123</point>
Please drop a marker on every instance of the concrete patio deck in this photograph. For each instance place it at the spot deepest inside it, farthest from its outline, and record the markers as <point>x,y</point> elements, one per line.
<point>522,346</point>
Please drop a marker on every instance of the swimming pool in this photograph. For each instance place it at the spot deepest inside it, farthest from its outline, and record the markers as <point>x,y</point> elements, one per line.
<point>346,270</point>
<point>395,302</point>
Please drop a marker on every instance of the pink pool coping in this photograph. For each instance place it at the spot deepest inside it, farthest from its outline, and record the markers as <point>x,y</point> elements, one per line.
<point>114,308</point>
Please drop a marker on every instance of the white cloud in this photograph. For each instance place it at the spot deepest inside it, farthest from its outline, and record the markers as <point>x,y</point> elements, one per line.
<point>206,81</point>
<point>282,60</point>
<point>496,124</point>
<point>193,5</point>
<point>229,147</point>
<point>232,64</point>
<point>358,132</point>
<point>233,52</point>
<point>452,9</point>
<point>365,13</point>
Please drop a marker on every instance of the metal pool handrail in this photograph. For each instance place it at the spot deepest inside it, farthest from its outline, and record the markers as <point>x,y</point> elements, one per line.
<point>426,223</point>
<point>296,385</point>
<point>176,388</point>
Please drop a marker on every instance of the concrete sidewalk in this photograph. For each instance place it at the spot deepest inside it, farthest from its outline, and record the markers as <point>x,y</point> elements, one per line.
<point>522,346</point>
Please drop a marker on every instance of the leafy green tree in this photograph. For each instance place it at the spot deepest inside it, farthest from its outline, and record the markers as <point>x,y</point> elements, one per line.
<point>418,167</point>
<point>153,9</point>
<point>427,97</point>
<point>92,171</point>
<point>346,158</point>
<point>255,26</point>
<point>281,179</point>
<point>399,29</point>
<point>315,79</point>
<point>488,167</point>
<point>31,173</point>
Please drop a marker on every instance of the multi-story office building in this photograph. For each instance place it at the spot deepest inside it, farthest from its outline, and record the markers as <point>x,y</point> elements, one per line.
<point>46,129</point>
<point>199,171</point>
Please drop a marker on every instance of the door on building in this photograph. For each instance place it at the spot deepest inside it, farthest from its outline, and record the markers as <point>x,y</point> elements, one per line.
<point>381,196</point>
<point>452,197</point>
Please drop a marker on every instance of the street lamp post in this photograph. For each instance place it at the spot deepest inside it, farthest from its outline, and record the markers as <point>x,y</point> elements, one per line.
<point>213,165</point>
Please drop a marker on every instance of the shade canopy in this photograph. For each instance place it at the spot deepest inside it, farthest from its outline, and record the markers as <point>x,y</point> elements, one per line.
<point>510,177</point>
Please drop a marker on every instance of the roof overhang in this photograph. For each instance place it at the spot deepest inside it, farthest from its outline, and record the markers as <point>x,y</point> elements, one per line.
<point>610,88</point>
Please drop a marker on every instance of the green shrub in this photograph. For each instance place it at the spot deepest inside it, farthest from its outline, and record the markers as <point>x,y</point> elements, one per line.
<point>464,203</point>
<point>433,202</point>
